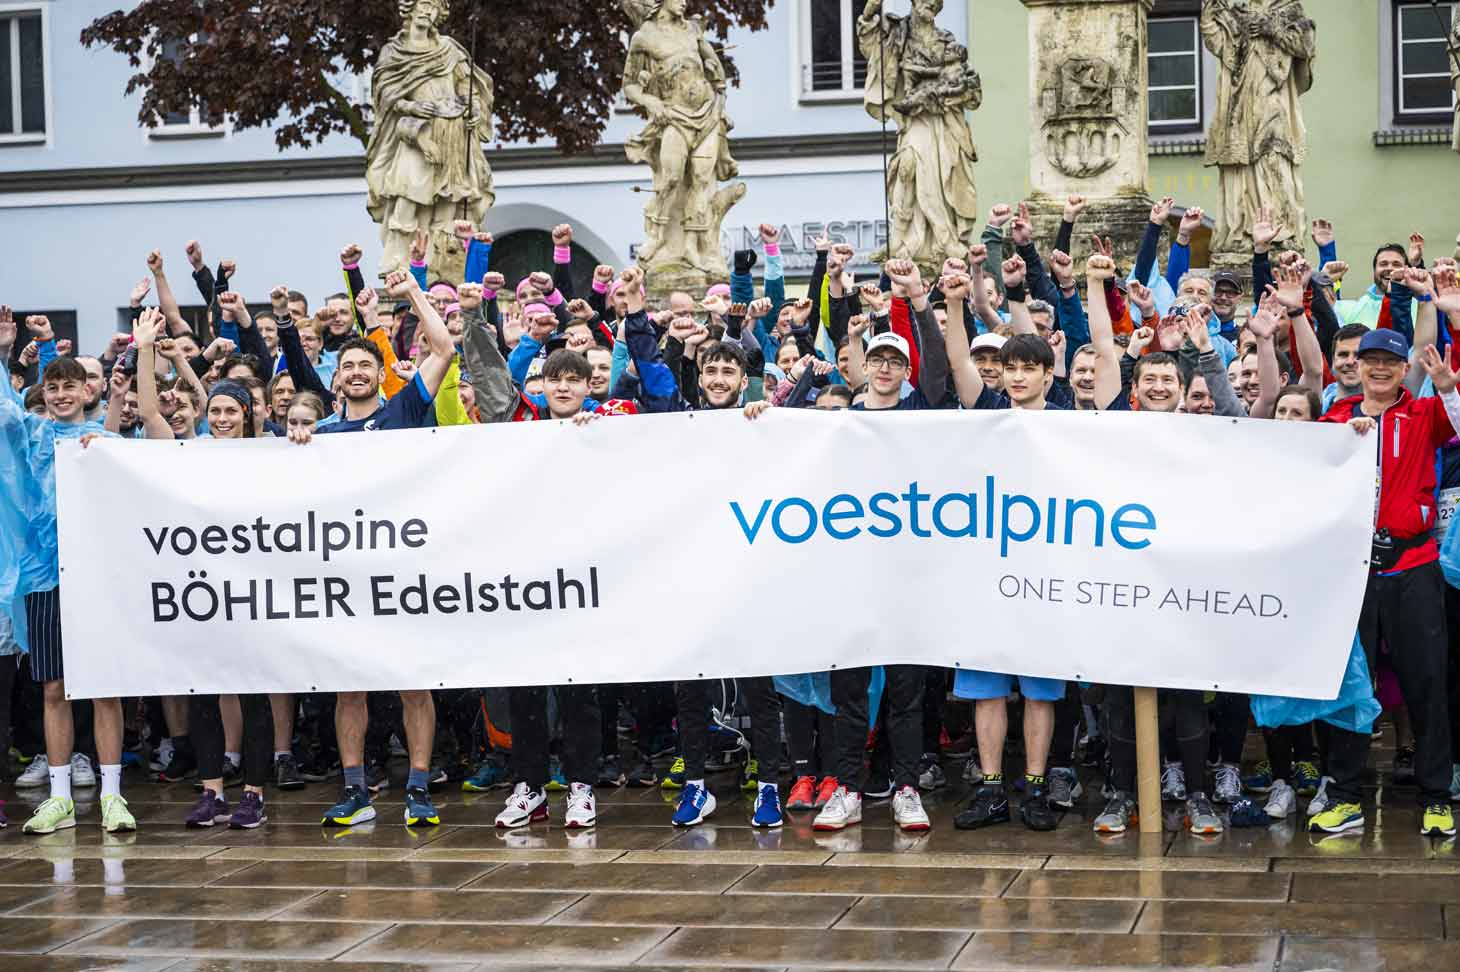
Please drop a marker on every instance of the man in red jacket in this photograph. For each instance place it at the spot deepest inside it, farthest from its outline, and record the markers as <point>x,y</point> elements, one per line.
<point>1404,603</point>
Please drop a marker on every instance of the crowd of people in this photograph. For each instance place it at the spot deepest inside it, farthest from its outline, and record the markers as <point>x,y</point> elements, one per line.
<point>1009,324</point>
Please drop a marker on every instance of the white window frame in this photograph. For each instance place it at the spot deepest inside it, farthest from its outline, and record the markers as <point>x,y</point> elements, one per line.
<point>194,127</point>
<point>1403,115</point>
<point>849,89</point>
<point>7,11</point>
<point>1182,125</point>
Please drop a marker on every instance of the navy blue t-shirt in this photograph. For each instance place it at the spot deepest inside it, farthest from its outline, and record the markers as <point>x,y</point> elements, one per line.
<point>409,409</point>
<point>917,401</point>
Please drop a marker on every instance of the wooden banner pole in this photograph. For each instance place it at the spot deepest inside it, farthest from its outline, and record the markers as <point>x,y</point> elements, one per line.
<point>1148,760</point>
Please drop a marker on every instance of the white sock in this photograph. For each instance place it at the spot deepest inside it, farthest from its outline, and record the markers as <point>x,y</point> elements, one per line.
<point>235,758</point>
<point>699,783</point>
<point>111,779</point>
<point>61,781</point>
<point>278,754</point>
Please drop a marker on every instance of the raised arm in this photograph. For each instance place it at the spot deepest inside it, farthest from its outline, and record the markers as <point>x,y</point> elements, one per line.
<point>856,375</point>
<point>978,255</point>
<point>1014,272</point>
<point>1224,400</point>
<point>1264,325</point>
<point>1289,292</point>
<point>296,362</point>
<point>933,363</point>
<point>966,380</point>
<point>1426,322</point>
<point>148,407</point>
<point>431,369</point>
<point>166,302</point>
<point>1098,269</point>
<point>1151,239</point>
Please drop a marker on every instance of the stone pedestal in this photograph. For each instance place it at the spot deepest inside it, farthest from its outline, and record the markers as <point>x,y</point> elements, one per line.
<point>1087,119</point>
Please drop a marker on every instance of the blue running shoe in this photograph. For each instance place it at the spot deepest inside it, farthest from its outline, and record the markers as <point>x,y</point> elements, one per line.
<point>1260,782</point>
<point>695,804</point>
<point>1245,813</point>
<point>767,807</point>
<point>1306,777</point>
<point>354,808</point>
<point>556,779</point>
<point>420,812</point>
<point>488,776</point>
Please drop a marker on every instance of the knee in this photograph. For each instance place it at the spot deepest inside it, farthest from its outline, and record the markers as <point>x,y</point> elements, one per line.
<point>54,693</point>
<point>350,702</point>
<point>416,700</point>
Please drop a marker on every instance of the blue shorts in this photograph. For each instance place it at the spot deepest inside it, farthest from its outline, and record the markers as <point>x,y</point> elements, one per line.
<point>971,684</point>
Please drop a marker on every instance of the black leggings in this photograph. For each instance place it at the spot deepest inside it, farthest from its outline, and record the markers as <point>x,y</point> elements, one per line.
<point>1230,731</point>
<point>1067,713</point>
<point>810,734</point>
<point>205,726</point>
<point>1287,745</point>
<point>1181,712</point>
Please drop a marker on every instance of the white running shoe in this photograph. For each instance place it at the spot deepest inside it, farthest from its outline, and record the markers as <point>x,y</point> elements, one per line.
<point>82,774</point>
<point>524,806</point>
<point>1228,787</point>
<point>582,810</point>
<point>907,810</point>
<point>841,811</point>
<point>1173,782</point>
<point>1321,800</point>
<point>1282,802</point>
<point>38,773</point>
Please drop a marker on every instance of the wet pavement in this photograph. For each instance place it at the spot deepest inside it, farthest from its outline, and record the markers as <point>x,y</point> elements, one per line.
<point>635,892</point>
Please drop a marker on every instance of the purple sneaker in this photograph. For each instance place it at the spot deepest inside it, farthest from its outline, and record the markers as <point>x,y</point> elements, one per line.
<point>250,812</point>
<point>209,810</point>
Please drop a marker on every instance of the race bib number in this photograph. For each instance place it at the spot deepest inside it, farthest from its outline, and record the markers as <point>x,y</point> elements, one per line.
<point>1448,500</point>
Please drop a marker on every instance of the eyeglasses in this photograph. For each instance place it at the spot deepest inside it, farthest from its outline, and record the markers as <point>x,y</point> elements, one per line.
<point>885,363</point>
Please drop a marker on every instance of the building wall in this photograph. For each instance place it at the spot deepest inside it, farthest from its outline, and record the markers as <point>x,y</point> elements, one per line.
<point>1372,194</point>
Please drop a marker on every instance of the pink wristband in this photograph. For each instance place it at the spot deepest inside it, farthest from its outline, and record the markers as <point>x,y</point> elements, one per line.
<point>553,299</point>
<point>772,249</point>
<point>354,266</point>
<point>599,287</point>
<point>418,263</point>
<point>562,254</point>
<point>488,294</point>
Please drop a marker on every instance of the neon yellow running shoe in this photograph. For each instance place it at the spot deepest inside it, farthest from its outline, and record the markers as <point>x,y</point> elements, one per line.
<point>674,779</point>
<point>1438,821</point>
<point>115,817</point>
<point>57,813</point>
<point>750,776</point>
<point>1339,818</point>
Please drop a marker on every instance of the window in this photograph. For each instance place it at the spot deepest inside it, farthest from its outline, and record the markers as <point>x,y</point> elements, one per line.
<point>832,65</point>
<point>22,76</point>
<point>1173,60</point>
<point>1422,88</point>
<point>196,120</point>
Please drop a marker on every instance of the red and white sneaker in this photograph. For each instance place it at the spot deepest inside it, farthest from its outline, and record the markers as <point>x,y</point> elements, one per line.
<point>907,810</point>
<point>841,811</point>
<point>824,791</point>
<point>582,810</point>
<point>525,806</point>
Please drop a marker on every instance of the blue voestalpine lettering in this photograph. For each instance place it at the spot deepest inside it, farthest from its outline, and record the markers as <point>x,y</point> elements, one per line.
<point>1009,518</point>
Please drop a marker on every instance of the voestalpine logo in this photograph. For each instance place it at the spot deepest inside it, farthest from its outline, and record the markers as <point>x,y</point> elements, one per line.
<point>987,514</point>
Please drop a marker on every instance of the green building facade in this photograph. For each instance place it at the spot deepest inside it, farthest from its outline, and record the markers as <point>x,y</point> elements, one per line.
<point>1380,163</point>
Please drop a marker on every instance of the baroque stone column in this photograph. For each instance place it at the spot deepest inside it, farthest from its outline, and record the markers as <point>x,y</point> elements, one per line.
<point>1087,119</point>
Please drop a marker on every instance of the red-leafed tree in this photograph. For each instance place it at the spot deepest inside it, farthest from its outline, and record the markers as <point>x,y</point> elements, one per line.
<point>557,64</point>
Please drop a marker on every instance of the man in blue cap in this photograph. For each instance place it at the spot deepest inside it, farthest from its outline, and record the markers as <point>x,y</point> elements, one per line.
<point>1404,602</point>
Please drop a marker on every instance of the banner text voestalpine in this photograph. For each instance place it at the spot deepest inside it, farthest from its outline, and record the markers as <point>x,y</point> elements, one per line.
<point>671,547</point>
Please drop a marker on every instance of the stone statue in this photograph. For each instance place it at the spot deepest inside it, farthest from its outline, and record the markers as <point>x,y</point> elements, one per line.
<point>674,76</point>
<point>918,77</point>
<point>1265,49</point>
<point>424,160</point>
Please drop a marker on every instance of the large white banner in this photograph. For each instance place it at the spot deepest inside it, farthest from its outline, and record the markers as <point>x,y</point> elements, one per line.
<point>1162,550</point>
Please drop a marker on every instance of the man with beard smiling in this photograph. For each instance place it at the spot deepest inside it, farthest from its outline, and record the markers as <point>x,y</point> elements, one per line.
<point>360,372</point>
<point>1404,601</point>
<point>1344,364</point>
<point>1388,259</point>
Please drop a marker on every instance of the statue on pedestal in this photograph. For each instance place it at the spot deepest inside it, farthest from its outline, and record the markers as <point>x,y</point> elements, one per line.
<point>674,76</point>
<point>424,162</point>
<point>1257,141</point>
<point>918,77</point>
